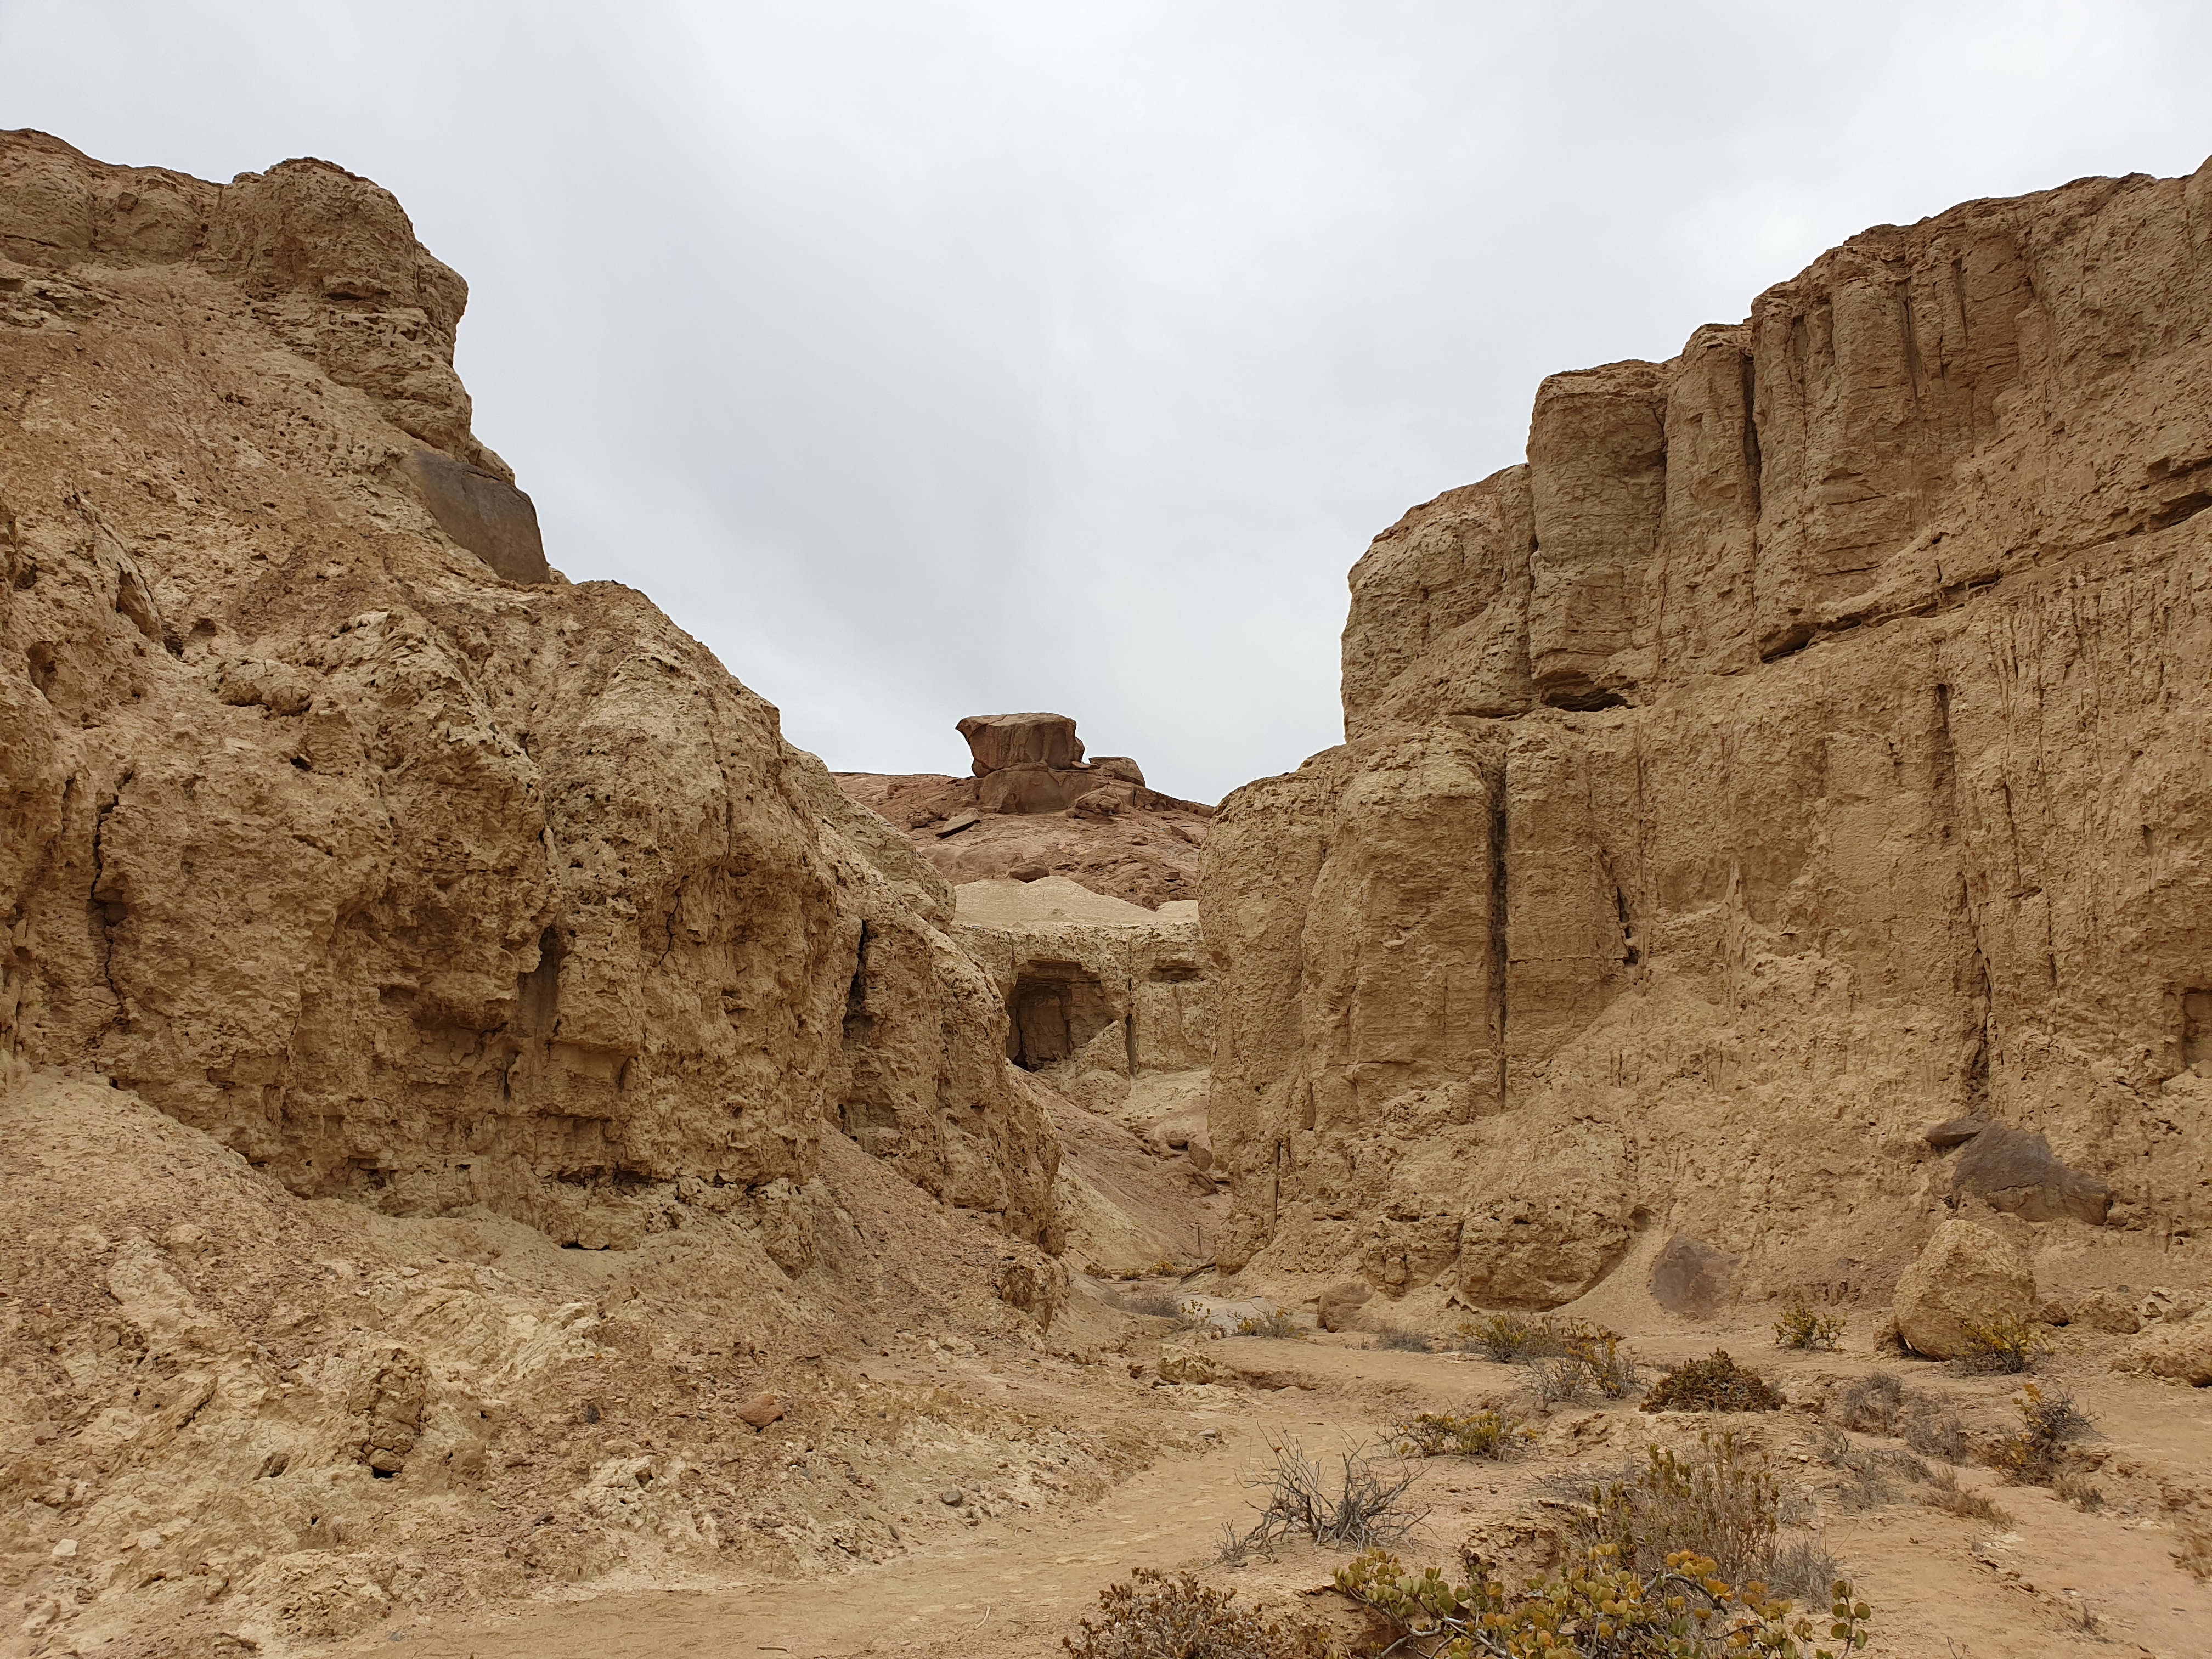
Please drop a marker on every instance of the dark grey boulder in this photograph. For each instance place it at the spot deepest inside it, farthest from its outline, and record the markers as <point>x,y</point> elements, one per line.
<point>488,516</point>
<point>1691,1277</point>
<point>2015,1171</point>
<point>1955,1131</point>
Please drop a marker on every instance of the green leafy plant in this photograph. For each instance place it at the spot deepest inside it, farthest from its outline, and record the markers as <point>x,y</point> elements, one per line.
<point>1446,1434</point>
<point>1155,1615</point>
<point>1801,1328</point>
<point>2006,1343</point>
<point>1718,1384</point>
<point>1598,1609</point>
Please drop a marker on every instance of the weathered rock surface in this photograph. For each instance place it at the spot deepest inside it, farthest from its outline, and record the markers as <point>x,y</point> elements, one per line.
<point>1967,1276</point>
<point>2180,1350</point>
<point>1805,746</point>
<point>1102,994</point>
<point>413,880</point>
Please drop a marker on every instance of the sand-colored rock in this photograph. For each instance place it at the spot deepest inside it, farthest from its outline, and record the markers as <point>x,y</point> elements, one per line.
<point>1100,993</point>
<point>2182,1350</point>
<point>1338,1307</point>
<point>413,884</point>
<point>1801,749</point>
<point>1966,1276</point>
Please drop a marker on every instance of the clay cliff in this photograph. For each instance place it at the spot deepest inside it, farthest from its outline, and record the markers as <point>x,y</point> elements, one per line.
<point>411,881</point>
<point>1804,748</point>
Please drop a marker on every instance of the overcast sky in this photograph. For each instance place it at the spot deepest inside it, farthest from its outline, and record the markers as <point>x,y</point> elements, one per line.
<point>933,359</point>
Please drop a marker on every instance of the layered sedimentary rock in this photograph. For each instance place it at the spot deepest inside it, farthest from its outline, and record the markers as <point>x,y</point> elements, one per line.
<point>1805,746</point>
<point>341,827</point>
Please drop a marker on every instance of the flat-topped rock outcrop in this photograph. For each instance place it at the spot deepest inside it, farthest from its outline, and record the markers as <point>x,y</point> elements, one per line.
<point>1034,806</point>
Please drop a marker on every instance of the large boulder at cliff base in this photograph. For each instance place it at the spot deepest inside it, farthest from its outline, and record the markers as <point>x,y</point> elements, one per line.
<point>2015,1171</point>
<point>1966,1276</point>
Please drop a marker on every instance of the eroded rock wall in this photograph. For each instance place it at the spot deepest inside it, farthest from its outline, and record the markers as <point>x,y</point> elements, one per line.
<point>412,884</point>
<point>1807,745</point>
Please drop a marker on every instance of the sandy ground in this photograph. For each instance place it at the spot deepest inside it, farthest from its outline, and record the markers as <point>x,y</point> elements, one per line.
<point>2056,1581</point>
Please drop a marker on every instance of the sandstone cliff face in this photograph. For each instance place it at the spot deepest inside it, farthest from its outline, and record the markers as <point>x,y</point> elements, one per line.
<point>412,884</point>
<point>1808,744</point>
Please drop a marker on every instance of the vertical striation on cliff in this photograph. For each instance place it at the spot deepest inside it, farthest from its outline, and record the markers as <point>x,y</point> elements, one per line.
<point>1805,744</point>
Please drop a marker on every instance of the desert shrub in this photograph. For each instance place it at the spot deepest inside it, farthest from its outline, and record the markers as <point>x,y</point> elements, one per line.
<point>1718,1384</point>
<point>1444,1434</point>
<point>1357,1506</point>
<point>2032,1453</point>
<point>1945,1493</point>
<point>1155,1615</point>
<point>1507,1337</point>
<point>2074,1489</point>
<point>1279,1323</point>
<point>1933,1429</point>
<point>1153,1305</point>
<point>1403,1342</point>
<point>2006,1343</point>
<point>1868,1405</point>
<point>2194,1554</point>
<point>1605,1363</point>
<point>1877,1403</point>
<point>1870,1474</point>
<point>1720,1501</point>
<point>1599,1609</point>
<point>1195,1317</point>
<point>1801,1328</point>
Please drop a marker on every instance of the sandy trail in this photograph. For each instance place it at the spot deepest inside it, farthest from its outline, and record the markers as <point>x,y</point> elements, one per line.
<point>1008,1588</point>
<point>2056,1581</point>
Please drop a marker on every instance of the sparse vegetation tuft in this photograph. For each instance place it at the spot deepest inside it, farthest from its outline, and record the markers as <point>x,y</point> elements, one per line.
<point>2194,1555</point>
<point>1720,1501</point>
<point>1945,1493</point>
<point>1402,1342</point>
<point>1507,1337</point>
<point>2006,1343</point>
<point>1802,1328</point>
<point>1156,1614</point>
<point>1445,1434</point>
<point>1601,1608</point>
<point>1870,1476</point>
<point>1877,1403</point>
<point>1718,1384</point>
<point>1357,1506</point>
<point>1279,1323</point>
<point>2033,1455</point>
<point>1150,1303</point>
